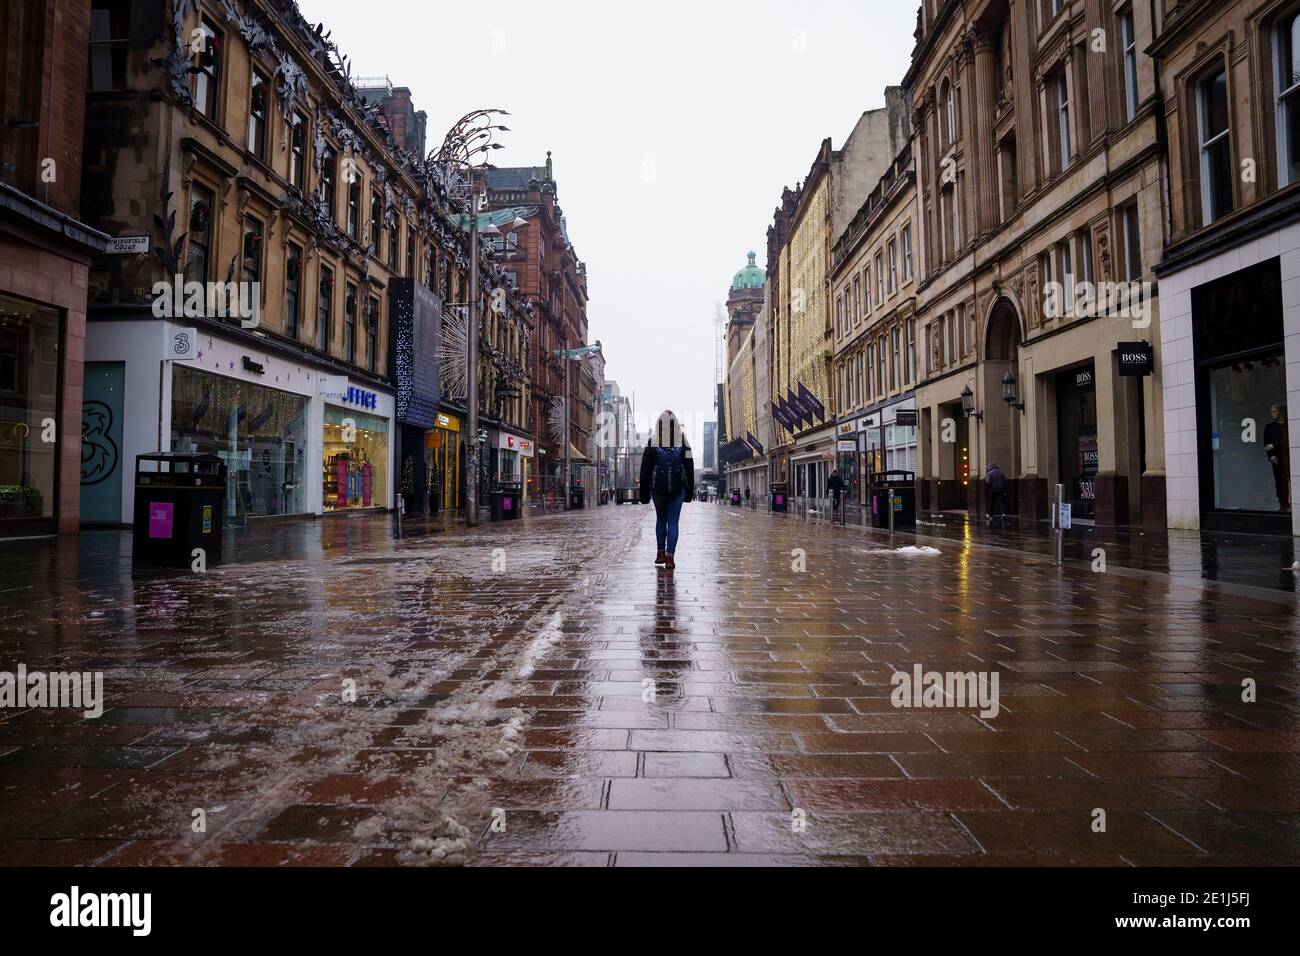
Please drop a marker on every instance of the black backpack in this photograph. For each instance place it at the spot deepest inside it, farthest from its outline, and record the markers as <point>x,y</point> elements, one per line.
<point>669,471</point>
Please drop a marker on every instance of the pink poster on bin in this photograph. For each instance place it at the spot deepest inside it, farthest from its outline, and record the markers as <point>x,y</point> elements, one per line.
<point>160,519</point>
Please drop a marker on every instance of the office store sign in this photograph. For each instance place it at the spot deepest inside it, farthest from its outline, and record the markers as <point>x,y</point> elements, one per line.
<point>337,389</point>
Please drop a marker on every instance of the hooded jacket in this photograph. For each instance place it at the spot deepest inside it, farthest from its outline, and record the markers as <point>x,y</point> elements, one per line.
<point>666,433</point>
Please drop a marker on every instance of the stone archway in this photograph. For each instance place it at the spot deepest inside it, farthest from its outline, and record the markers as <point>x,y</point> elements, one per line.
<point>1002,424</point>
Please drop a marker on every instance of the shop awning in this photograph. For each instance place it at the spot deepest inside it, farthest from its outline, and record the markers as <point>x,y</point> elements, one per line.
<point>575,455</point>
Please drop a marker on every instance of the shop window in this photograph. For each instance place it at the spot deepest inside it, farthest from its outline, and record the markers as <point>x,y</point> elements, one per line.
<point>292,289</point>
<point>356,460</point>
<point>197,266</point>
<point>1286,54</point>
<point>1215,146</point>
<point>206,86</point>
<point>911,351</point>
<point>350,306</point>
<point>324,308</point>
<point>258,101</point>
<point>298,151</point>
<point>110,32</point>
<point>29,394</point>
<point>259,432</point>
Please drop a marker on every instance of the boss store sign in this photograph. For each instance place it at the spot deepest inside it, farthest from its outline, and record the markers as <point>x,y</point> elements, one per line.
<point>1135,358</point>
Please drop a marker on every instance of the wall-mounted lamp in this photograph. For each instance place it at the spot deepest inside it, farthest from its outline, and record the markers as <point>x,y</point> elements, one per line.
<point>968,404</point>
<point>1009,391</point>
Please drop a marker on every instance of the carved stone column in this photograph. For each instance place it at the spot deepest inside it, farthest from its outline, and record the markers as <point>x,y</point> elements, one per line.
<point>986,102</point>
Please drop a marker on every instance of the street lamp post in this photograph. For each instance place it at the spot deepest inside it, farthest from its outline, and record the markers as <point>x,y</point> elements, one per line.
<point>463,151</point>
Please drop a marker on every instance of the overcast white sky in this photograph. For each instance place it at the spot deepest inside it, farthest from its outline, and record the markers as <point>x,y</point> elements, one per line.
<point>673,127</point>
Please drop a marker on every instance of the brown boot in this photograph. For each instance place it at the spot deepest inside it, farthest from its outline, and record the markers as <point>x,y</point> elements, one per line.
<point>669,563</point>
<point>660,557</point>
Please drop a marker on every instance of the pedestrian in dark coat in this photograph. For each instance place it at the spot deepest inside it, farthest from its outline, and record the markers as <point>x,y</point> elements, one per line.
<point>667,479</point>
<point>997,484</point>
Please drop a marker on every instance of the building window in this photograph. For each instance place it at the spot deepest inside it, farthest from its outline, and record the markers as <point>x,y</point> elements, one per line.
<point>1132,242</point>
<point>1066,271</point>
<point>884,364</point>
<point>1063,119</point>
<point>207,71</point>
<point>880,279</point>
<point>907,252</point>
<point>959,320</point>
<point>1215,146</point>
<point>328,189</point>
<point>376,237</point>
<point>292,289</point>
<point>894,367</point>
<point>350,307</point>
<point>197,267</point>
<point>866,289</point>
<point>324,309</point>
<point>911,351</point>
<point>410,252</point>
<point>354,207</point>
<point>252,250</point>
<point>950,325</point>
<point>857,374</point>
<point>298,151</point>
<point>394,245</point>
<point>1128,42</point>
<point>893,266</point>
<point>857,299</point>
<point>372,334</point>
<point>1084,238</point>
<point>110,31</point>
<point>949,116</point>
<point>1287,55</point>
<point>257,104</point>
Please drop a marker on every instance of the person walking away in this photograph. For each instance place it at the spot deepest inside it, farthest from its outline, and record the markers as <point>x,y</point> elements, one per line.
<point>997,483</point>
<point>836,486</point>
<point>747,494</point>
<point>1277,448</point>
<point>667,479</point>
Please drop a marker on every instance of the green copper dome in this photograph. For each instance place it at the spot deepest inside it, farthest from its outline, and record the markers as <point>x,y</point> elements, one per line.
<point>750,277</point>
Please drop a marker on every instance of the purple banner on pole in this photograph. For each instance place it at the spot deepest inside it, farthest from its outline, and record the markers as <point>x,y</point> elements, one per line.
<point>812,402</point>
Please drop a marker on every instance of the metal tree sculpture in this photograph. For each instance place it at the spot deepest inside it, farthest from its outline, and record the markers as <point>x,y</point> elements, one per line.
<point>451,353</point>
<point>465,148</point>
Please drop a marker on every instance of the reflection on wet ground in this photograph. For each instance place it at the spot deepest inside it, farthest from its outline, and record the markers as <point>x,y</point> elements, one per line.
<point>538,692</point>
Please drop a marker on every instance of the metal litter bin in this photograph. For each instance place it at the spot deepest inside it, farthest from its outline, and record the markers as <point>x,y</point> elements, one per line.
<point>778,496</point>
<point>178,506</point>
<point>893,491</point>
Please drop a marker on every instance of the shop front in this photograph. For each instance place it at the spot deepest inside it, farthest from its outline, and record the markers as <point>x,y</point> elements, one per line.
<point>30,405</point>
<point>444,462</point>
<point>512,458</point>
<point>1241,401</point>
<point>259,432</point>
<point>1076,431</point>
<point>356,449</point>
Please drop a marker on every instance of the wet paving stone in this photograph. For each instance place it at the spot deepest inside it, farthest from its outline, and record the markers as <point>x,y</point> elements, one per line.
<point>584,708</point>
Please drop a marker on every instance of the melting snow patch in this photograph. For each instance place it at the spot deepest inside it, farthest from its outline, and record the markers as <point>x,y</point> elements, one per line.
<point>913,549</point>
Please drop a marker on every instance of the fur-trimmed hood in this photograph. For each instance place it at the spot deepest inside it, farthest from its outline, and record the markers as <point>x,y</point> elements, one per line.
<point>667,433</point>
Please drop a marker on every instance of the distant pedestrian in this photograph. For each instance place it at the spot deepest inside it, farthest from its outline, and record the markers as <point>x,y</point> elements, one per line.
<point>668,479</point>
<point>746,494</point>
<point>1277,448</point>
<point>997,483</point>
<point>836,486</point>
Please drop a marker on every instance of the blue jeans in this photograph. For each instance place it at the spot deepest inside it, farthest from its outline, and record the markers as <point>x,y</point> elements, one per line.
<point>668,510</point>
